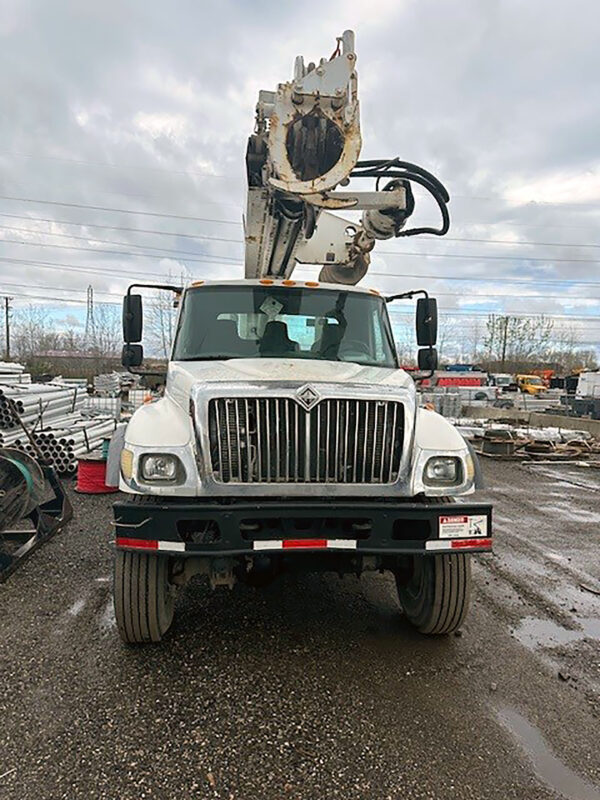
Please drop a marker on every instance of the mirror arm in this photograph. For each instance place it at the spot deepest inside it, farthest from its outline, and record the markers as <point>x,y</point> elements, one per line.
<point>431,372</point>
<point>406,295</point>
<point>166,286</point>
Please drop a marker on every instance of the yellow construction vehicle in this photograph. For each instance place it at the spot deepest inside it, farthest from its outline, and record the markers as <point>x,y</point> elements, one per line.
<point>531,384</point>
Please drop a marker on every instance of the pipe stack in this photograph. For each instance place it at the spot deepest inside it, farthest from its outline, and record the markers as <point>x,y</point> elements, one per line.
<point>39,404</point>
<point>113,383</point>
<point>61,447</point>
<point>11,373</point>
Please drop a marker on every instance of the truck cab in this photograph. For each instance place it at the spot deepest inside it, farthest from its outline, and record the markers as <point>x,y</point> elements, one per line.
<point>289,438</point>
<point>531,384</point>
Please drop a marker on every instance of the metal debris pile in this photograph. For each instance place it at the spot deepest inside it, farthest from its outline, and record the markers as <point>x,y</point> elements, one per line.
<point>538,444</point>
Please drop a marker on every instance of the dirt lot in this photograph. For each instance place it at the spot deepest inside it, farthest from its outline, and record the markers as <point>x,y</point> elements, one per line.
<point>315,688</point>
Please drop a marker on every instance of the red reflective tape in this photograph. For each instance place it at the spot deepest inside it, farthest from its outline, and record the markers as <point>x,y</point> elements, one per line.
<point>140,544</point>
<point>289,543</point>
<point>458,544</point>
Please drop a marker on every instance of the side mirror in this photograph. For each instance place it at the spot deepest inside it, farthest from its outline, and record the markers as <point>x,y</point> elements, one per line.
<point>132,355</point>
<point>427,359</point>
<point>426,321</point>
<point>132,318</point>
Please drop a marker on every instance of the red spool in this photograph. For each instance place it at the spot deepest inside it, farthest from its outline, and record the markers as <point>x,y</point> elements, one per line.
<point>91,477</point>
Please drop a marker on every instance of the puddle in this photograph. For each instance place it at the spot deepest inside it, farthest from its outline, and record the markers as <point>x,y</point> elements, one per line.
<point>535,633</point>
<point>548,767</point>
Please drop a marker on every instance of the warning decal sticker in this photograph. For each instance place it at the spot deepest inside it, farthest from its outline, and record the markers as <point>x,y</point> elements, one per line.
<point>463,526</point>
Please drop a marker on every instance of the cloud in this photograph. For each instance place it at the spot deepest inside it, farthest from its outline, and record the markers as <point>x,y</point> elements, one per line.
<point>146,106</point>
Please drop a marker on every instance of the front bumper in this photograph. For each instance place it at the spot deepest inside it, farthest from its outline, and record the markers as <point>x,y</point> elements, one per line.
<point>242,527</point>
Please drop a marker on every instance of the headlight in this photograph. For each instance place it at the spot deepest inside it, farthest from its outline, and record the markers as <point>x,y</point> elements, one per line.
<point>161,467</point>
<point>443,471</point>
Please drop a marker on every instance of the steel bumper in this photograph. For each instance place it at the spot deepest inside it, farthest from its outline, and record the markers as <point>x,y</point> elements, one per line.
<point>242,527</point>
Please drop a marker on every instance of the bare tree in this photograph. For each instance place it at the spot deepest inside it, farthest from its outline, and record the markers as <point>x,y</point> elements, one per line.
<point>159,324</point>
<point>108,330</point>
<point>517,340</point>
<point>32,332</point>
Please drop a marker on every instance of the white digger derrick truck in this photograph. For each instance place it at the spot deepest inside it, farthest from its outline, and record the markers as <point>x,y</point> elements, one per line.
<point>288,437</point>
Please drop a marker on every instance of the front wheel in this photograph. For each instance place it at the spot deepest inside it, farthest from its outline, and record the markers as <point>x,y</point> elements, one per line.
<point>434,591</point>
<point>143,596</point>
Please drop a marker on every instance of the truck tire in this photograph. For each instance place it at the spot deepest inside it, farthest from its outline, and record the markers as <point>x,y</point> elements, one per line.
<point>143,597</point>
<point>434,591</point>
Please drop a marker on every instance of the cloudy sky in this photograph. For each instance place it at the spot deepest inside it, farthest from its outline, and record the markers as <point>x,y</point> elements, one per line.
<point>118,107</point>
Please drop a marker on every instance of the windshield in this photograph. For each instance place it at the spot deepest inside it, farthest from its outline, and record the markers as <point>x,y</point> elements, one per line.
<point>533,381</point>
<point>220,322</point>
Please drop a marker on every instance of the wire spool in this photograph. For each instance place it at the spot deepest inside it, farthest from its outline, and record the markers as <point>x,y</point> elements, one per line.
<point>91,477</point>
<point>22,486</point>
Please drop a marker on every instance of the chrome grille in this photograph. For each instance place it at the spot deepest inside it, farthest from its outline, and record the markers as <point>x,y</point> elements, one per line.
<point>274,440</point>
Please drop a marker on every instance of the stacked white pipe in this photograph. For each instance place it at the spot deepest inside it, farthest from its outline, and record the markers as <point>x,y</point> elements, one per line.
<point>38,403</point>
<point>12,373</point>
<point>112,383</point>
<point>57,429</point>
<point>68,439</point>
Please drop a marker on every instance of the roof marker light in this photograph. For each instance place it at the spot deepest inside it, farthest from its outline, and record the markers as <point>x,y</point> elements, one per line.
<point>311,284</point>
<point>266,281</point>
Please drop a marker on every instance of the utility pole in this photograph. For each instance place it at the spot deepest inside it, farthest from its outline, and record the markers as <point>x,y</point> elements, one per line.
<point>89,337</point>
<point>504,338</point>
<point>7,325</point>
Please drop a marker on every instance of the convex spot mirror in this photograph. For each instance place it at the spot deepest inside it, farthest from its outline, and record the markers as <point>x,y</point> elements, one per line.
<point>428,359</point>
<point>426,321</point>
<point>132,318</point>
<point>132,355</point>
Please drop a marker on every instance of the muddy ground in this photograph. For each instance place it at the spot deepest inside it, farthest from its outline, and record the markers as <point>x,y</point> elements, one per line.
<point>315,687</point>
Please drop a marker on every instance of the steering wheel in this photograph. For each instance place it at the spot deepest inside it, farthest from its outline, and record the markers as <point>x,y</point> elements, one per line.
<point>349,346</point>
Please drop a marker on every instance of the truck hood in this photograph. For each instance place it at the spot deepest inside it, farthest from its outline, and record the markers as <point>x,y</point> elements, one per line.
<point>182,375</point>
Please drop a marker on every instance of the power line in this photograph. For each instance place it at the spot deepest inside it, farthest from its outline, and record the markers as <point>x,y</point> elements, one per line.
<point>120,228</point>
<point>394,312</point>
<point>476,278</point>
<point>172,254</point>
<point>118,210</point>
<point>464,295</point>
<point>411,254</point>
<point>470,256</point>
<point>241,241</point>
<point>120,272</point>
<point>175,253</point>
<point>239,176</point>
<point>46,288</point>
<point>508,241</point>
<point>83,269</point>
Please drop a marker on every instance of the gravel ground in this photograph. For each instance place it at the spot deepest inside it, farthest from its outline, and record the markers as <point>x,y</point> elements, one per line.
<point>314,687</point>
